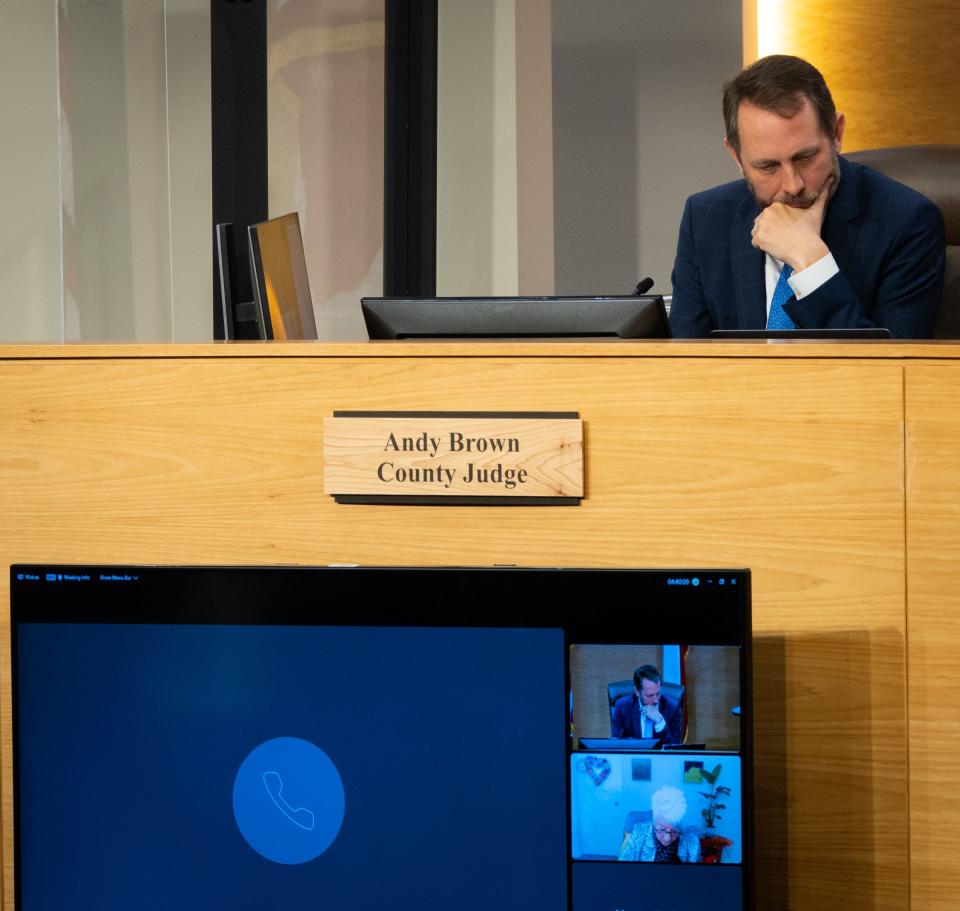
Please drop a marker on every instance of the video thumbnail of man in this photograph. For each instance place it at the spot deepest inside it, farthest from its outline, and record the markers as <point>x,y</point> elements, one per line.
<point>655,697</point>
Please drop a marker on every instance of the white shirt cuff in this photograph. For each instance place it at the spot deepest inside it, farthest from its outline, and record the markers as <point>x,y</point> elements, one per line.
<point>806,281</point>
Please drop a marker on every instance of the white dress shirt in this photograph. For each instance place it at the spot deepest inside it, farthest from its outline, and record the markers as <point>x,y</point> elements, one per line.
<point>803,282</point>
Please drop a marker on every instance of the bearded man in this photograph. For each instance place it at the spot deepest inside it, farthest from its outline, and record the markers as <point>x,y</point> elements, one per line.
<point>807,239</point>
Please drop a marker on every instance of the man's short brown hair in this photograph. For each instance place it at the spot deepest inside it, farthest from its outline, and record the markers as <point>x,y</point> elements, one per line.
<point>777,83</point>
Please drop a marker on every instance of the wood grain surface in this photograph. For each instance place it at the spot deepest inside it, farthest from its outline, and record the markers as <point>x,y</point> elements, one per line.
<point>713,689</point>
<point>891,66</point>
<point>773,349</point>
<point>445,456</point>
<point>793,467</point>
<point>933,629</point>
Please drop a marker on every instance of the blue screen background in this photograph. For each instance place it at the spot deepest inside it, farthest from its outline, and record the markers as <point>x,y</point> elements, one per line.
<point>450,744</point>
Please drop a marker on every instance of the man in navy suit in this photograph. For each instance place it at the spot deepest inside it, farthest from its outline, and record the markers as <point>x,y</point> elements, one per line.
<point>863,250</point>
<point>646,713</point>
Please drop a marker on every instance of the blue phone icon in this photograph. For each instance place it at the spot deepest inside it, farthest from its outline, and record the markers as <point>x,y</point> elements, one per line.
<point>299,816</point>
<point>301,813</point>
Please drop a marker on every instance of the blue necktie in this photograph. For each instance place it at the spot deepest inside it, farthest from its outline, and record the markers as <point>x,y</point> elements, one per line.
<point>778,318</point>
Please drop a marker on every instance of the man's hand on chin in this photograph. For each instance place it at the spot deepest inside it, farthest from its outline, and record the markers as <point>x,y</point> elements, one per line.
<point>792,234</point>
<point>653,713</point>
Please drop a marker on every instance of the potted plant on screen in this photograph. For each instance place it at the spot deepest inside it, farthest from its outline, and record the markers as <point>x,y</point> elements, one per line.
<point>711,844</point>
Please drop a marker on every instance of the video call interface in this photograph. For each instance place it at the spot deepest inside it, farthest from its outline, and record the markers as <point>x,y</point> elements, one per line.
<point>380,738</point>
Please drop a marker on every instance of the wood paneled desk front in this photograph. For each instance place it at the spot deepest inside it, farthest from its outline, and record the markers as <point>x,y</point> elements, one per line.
<point>829,469</point>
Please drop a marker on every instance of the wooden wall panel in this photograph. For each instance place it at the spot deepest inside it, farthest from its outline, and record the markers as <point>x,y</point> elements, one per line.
<point>592,667</point>
<point>933,625</point>
<point>713,688</point>
<point>891,66</point>
<point>792,467</point>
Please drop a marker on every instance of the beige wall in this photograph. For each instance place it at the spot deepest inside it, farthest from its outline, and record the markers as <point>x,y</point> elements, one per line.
<point>113,132</point>
<point>476,148</point>
<point>637,128</point>
<point>495,148</point>
<point>109,180</point>
<point>191,168</point>
<point>325,107</point>
<point>534,47</point>
<point>30,268</point>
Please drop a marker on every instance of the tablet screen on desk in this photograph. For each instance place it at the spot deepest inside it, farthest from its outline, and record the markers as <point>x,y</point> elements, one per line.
<point>815,334</point>
<point>368,738</point>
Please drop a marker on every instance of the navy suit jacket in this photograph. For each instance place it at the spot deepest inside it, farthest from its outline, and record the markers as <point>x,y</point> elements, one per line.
<point>887,239</point>
<point>626,719</point>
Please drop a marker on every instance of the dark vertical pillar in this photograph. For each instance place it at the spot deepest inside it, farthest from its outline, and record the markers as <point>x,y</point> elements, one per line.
<point>410,146</point>
<point>238,57</point>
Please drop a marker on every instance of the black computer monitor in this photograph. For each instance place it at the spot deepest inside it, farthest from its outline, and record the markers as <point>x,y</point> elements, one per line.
<point>403,738</point>
<point>237,314</point>
<point>626,316</point>
<point>226,278</point>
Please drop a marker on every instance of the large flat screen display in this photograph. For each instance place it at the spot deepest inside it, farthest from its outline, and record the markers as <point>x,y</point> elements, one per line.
<point>356,739</point>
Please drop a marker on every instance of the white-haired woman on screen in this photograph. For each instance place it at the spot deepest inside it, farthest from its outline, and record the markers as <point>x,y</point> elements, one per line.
<point>664,840</point>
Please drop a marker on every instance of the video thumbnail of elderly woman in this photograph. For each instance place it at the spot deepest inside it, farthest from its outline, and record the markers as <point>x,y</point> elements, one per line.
<point>663,841</point>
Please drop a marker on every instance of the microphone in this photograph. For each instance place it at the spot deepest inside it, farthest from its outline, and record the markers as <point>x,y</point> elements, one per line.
<point>643,286</point>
